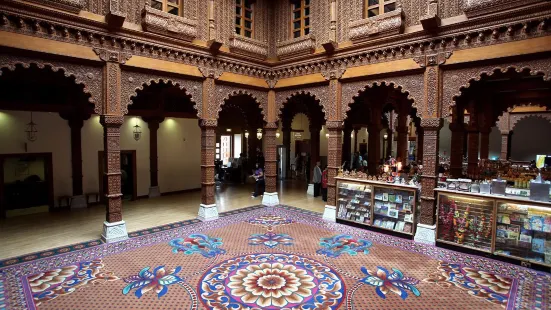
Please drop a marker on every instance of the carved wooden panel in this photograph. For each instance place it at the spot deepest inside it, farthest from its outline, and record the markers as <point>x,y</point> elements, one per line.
<point>224,92</point>
<point>132,81</point>
<point>516,117</point>
<point>208,148</point>
<point>101,7</point>
<point>450,8</point>
<point>90,77</point>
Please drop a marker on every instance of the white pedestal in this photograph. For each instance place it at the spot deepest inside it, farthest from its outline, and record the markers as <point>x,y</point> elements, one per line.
<point>154,191</point>
<point>330,213</point>
<point>425,234</point>
<point>113,232</point>
<point>78,202</point>
<point>207,212</point>
<point>310,190</point>
<point>270,199</point>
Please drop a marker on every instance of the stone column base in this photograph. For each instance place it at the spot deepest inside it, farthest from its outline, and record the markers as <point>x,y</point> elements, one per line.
<point>154,191</point>
<point>330,213</point>
<point>270,199</point>
<point>310,190</point>
<point>113,232</point>
<point>78,202</point>
<point>207,212</point>
<point>425,234</point>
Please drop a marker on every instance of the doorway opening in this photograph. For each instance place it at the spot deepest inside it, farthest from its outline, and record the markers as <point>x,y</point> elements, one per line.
<point>26,183</point>
<point>129,177</point>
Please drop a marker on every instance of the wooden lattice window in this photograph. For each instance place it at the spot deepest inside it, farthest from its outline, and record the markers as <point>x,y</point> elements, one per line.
<point>373,8</point>
<point>301,18</point>
<point>171,6</point>
<point>244,19</point>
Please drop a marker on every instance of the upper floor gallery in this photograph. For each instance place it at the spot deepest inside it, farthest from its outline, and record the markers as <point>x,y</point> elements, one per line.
<point>274,32</point>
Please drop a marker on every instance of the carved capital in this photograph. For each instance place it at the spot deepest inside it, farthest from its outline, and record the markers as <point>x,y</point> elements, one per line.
<point>112,56</point>
<point>73,6</point>
<point>160,22</point>
<point>208,123</point>
<point>271,82</point>
<point>296,47</point>
<point>431,124</point>
<point>432,59</point>
<point>271,125</point>
<point>249,47</point>
<point>213,73</point>
<point>334,125</point>
<point>333,73</point>
<point>387,23</point>
<point>111,120</point>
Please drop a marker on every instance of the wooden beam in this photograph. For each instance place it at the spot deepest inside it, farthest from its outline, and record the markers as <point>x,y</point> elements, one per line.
<point>380,68</point>
<point>243,80</point>
<point>163,65</point>
<point>301,80</point>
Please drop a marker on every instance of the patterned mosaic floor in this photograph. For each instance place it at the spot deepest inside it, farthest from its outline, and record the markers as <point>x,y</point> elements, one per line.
<point>266,258</point>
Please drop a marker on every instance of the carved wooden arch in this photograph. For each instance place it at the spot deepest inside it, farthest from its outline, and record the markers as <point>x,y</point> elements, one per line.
<point>90,77</point>
<point>224,92</point>
<point>318,93</point>
<point>132,81</point>
<point>515,118</point>
<point>503,119</point>
<point>410,85</point>
<point>454,81</point>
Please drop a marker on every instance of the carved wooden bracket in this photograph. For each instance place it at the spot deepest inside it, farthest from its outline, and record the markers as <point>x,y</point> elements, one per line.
<point>271,80</point>
<point>387,23</point>
<point>213,73</point>
<point>214,46</point>
<point>333,73</point>
<point>74,6</point>
<point>474,8</point>
<point>249,47</point>
<point>160,22</point>
<point>117,13</point>
<point>330,46</point>
<point>432,59</point>
<point>431,20</point>
<point>112,56</point>
<point>296,47</point>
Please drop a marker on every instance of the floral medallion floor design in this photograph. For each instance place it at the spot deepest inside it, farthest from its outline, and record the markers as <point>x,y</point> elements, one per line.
<point>268,258</point>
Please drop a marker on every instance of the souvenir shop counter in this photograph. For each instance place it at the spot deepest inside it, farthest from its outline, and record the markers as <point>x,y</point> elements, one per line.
<point>387,206</point>
<point>514,227</point>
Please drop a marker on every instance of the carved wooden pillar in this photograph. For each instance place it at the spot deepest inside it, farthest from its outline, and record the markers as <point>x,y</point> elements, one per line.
<point>114,228</point>
<point>314,147</point>
<point>389,137</point>
<point>485,143</point>
<point>504,155</point>
<point>402,143</point>
<point>457,136</point>
<point>207,210</point>
<point>429,178</point>
<point>374,139</point>
<point>356,139</point>
<point>347,145</point>
<point>473,143</point>
<point>420,143</point>
<point>286,128</point>
<point>270,155</point>
<point>333,159</point>
<point>76,123</point>
<point>153,124</point>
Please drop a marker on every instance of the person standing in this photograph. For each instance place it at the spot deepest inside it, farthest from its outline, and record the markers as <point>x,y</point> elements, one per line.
<point>324,179</point>
<point>317,179</point>
<point>259,184</point>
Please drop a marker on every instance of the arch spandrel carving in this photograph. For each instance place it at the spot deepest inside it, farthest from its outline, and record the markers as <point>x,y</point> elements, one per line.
<point>412,85</point>
<point>319,93</point>
<point>91,77</point>
<point>454,81</point>
<point>132,81</point>
<point>225,92</point>
<point>517,117</point>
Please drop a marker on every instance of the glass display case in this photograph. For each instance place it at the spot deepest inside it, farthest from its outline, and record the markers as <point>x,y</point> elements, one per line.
<point>372,203</point>
<point>523,231</point>
<point>393,209</point>
<point>354,202</point>
<point>465,221</point>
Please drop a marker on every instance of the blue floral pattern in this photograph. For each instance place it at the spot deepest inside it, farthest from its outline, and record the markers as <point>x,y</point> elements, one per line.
<point>270,239</point>
<point>340,244</point>
<point>146,281</point>
<point>395,282</point>
<point>198,243</point>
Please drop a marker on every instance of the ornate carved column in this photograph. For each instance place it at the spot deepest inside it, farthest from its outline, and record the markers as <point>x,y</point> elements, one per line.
<point>504,155</point>
<point>402,141</point>
<point>75,123</point>
<point>458,133</point>
<point>420,143</point>
<point>389,137</point>
<point>374,139</point>
<point>473,142</point>
<point>112,118</point>
<point>314,148</point>
<point>153,124</point>
<point>207,209</point>
<point>356,139</point>
<point>347,145</point>
<point>286,128</point>
<point>270,155</point>
<point>333,159</point>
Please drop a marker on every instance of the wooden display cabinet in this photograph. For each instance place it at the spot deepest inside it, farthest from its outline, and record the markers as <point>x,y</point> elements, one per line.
<point>383,205</point>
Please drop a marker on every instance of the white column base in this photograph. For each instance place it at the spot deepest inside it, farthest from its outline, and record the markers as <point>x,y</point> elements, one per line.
<point>310,190</point>
<point>154,191</point>
<point>425,234</point>
<point>330,213</point>
<point>113,232</point>
<point>207,212</point>
<point>270,199</point>
<point>78,202</point>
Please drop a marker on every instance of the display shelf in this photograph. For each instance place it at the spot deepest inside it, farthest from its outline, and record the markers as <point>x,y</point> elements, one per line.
<point>520,228</point>
<point>465,221</point>
<point>386,206</point>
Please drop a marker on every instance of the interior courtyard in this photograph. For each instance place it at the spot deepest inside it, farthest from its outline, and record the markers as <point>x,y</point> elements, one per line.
<point>288,154</point>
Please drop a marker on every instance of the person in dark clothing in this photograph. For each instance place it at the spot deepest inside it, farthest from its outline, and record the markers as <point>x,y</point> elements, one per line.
<point>324,180</point>
<point>317,179</point>
<point>259,184</point>
<point>260,158</point>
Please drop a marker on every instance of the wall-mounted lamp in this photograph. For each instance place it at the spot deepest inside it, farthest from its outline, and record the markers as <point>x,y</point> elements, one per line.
<point>385,136</point>
<point>137,132</point>
<point>327,135</point>
<point>246,134</point>
<point>31,130</point>
<point>228,130</point>
<point>259,133</point>
<point>352,135</point>
<point>278,134</point>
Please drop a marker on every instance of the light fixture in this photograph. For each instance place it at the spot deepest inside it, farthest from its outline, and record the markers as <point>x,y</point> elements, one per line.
<point>277,134</point>
<point>137,131</point>
<point>385,136</point>
<point>246,134</point>
<point>31,130</point>
<point>228,130</point>
<point>327,135</point>
<point>259,133</point>
<point>352,135</point>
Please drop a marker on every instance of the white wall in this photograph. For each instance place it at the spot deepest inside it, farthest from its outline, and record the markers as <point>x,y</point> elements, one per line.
<point>445,139</point>
<point>179,160</point>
